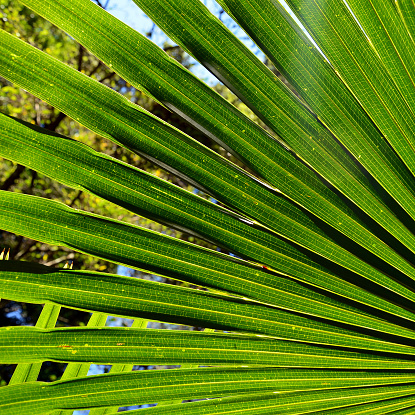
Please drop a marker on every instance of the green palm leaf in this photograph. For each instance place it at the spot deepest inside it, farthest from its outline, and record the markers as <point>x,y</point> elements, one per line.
<point>316,316</point>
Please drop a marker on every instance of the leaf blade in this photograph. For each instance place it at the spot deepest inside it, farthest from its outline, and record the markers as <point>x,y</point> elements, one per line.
<point>93,391</point>
<point>129,297</point>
